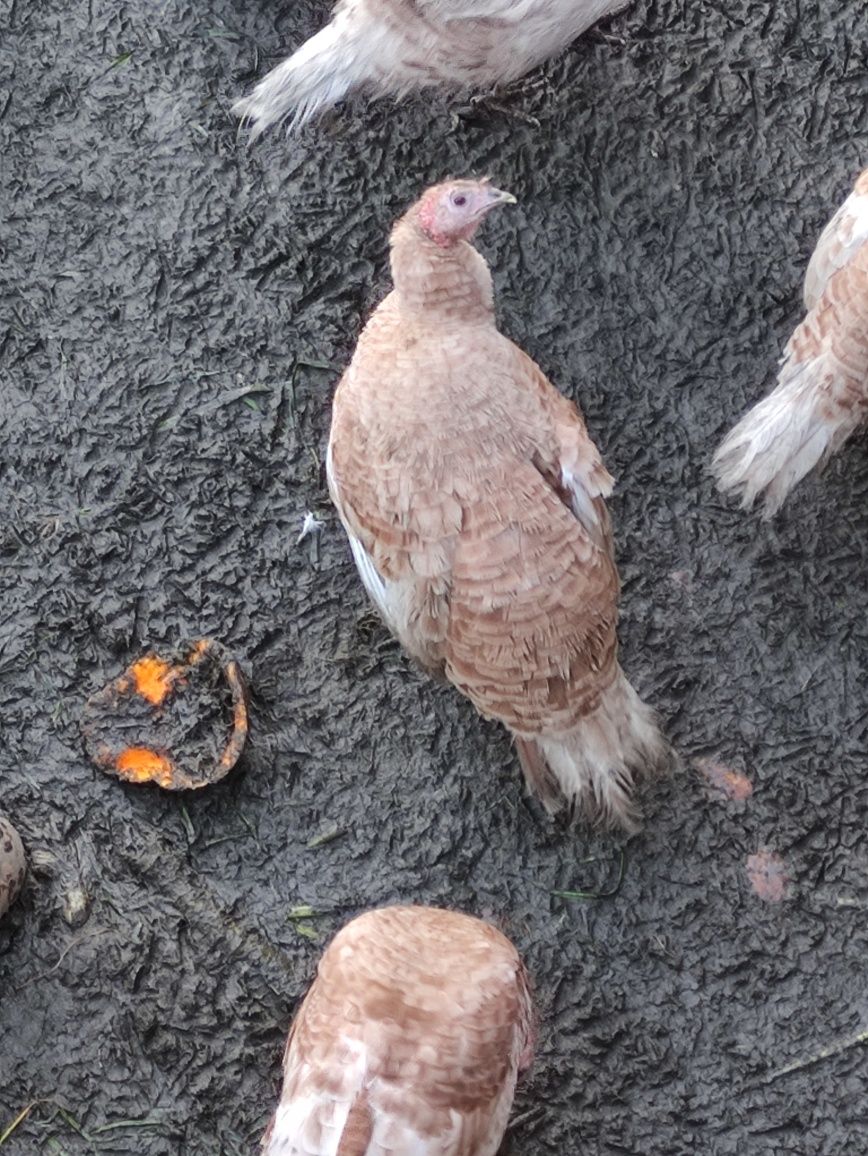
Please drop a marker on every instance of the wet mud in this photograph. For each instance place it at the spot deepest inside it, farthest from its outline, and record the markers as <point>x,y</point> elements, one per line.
<point>174,312</point>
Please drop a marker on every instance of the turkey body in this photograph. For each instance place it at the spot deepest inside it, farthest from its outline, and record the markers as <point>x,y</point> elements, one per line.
<point>408,1043</point>
<point>398,46</point>
<point>474,501</point>
<point>821,396</point>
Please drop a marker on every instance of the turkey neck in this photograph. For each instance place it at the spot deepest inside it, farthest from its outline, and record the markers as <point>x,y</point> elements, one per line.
<point>444,284</point>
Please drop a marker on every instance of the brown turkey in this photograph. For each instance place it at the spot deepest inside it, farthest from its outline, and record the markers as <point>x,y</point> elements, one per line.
<point>821,396</point>
<point>397,46</point>
<point>474,502</point>
<point>408,1043</point>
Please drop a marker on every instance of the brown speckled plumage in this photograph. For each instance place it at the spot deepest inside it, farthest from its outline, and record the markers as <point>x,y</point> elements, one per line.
<point>471,489</point>
<point>821,396</point>
<point>408,1043</point>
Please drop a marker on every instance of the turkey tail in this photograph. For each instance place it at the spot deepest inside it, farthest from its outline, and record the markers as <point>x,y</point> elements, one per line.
<point>797,427</point>
<point>592,769</point>
<point>319,74</point>
<point>821,396</point>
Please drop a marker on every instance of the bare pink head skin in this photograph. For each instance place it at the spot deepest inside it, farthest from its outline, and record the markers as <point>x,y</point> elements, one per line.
<point>453,211</point>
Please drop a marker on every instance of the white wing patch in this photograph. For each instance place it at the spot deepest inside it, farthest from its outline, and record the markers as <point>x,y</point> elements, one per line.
<point>394,1135</point>
<point>312,1123</point>
<point>845,233</point>
<point>507,11</point>
<point>379,592</point>
<point>582,500</point>
<point>370,576</point>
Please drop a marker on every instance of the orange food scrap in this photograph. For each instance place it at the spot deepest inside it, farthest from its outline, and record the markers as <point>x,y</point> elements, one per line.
<point>139,725</point>
<point>142,765</point>
<point>239,732</point>
<point>154,677</point>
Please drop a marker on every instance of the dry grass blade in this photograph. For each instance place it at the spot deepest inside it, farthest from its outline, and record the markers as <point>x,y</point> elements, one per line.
<point>597,894</point>
<point>19,1119</point>
<point>115,1125</point>
<point>833,1049</point>
<point>325,837</point>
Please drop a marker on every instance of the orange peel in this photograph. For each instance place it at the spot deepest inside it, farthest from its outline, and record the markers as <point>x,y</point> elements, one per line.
<point>142,765</point>
<point>153,677</point>
<point>178,720</point>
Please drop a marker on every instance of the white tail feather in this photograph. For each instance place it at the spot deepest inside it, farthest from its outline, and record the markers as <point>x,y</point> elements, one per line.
<point>785,436</point>
<point>319,74</point>
<point>596,764</point>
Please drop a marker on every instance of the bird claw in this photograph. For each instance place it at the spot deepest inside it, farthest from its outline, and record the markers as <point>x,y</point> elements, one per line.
<point>497,101</point>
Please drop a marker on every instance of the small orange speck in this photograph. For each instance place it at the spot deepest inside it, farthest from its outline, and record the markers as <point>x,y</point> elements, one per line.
<point>729,782</point>
<point>199,651</point>
<point>142,765</point>
<point>154,677</point>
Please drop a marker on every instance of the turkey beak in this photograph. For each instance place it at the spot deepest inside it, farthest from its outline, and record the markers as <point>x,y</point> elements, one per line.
<point>498,197</point>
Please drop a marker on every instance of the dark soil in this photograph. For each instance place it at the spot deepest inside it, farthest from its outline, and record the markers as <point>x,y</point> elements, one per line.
<point>174,312</point>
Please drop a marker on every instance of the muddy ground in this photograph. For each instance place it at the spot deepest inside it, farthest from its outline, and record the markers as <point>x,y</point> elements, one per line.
<point>174,311</point>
